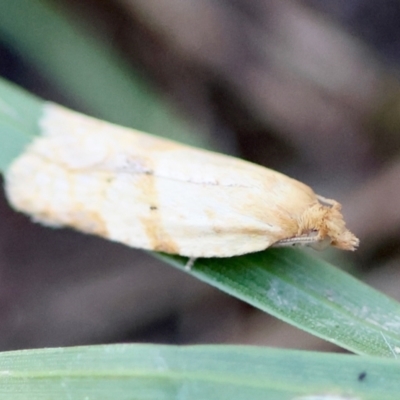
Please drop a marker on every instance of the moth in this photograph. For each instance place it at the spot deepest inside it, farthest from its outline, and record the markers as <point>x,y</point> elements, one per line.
<point>155,194</point>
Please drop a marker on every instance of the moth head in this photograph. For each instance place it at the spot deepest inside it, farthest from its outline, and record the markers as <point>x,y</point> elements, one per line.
<point>321,225</point>
<point>323,222</point>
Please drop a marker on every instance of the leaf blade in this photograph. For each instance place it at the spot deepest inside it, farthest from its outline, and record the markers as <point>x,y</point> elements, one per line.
<point>192,372</point>
<point>309,294</point>
<point>291,285</point>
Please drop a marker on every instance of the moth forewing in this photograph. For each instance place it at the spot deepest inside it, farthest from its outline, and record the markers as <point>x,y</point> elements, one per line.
<point>156,194</point>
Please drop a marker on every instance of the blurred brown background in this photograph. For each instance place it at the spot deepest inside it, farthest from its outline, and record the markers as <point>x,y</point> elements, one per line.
<point>310,88</point>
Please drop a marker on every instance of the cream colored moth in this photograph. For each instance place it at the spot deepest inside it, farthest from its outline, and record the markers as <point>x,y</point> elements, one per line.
<point>152,193</point>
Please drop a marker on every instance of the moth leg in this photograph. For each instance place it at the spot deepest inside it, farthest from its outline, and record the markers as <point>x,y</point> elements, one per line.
<point>190,263</point>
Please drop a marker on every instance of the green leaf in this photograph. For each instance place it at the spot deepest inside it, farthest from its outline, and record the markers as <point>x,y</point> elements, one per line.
<point>200,372</point>
<point>293,286</point>
<point>310,294</point>
<point>19,114</point>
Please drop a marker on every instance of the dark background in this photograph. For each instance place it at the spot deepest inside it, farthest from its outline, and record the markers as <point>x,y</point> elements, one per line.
<point>310,88</point>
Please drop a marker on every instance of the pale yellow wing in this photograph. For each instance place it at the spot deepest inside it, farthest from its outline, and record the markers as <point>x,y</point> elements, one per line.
<point>155,194</point>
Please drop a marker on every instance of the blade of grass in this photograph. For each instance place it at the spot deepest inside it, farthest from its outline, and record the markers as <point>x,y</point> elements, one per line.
<point>310,294</point>
<point>19,113</point>
<point>304,291</point>
<point>198,372</point>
